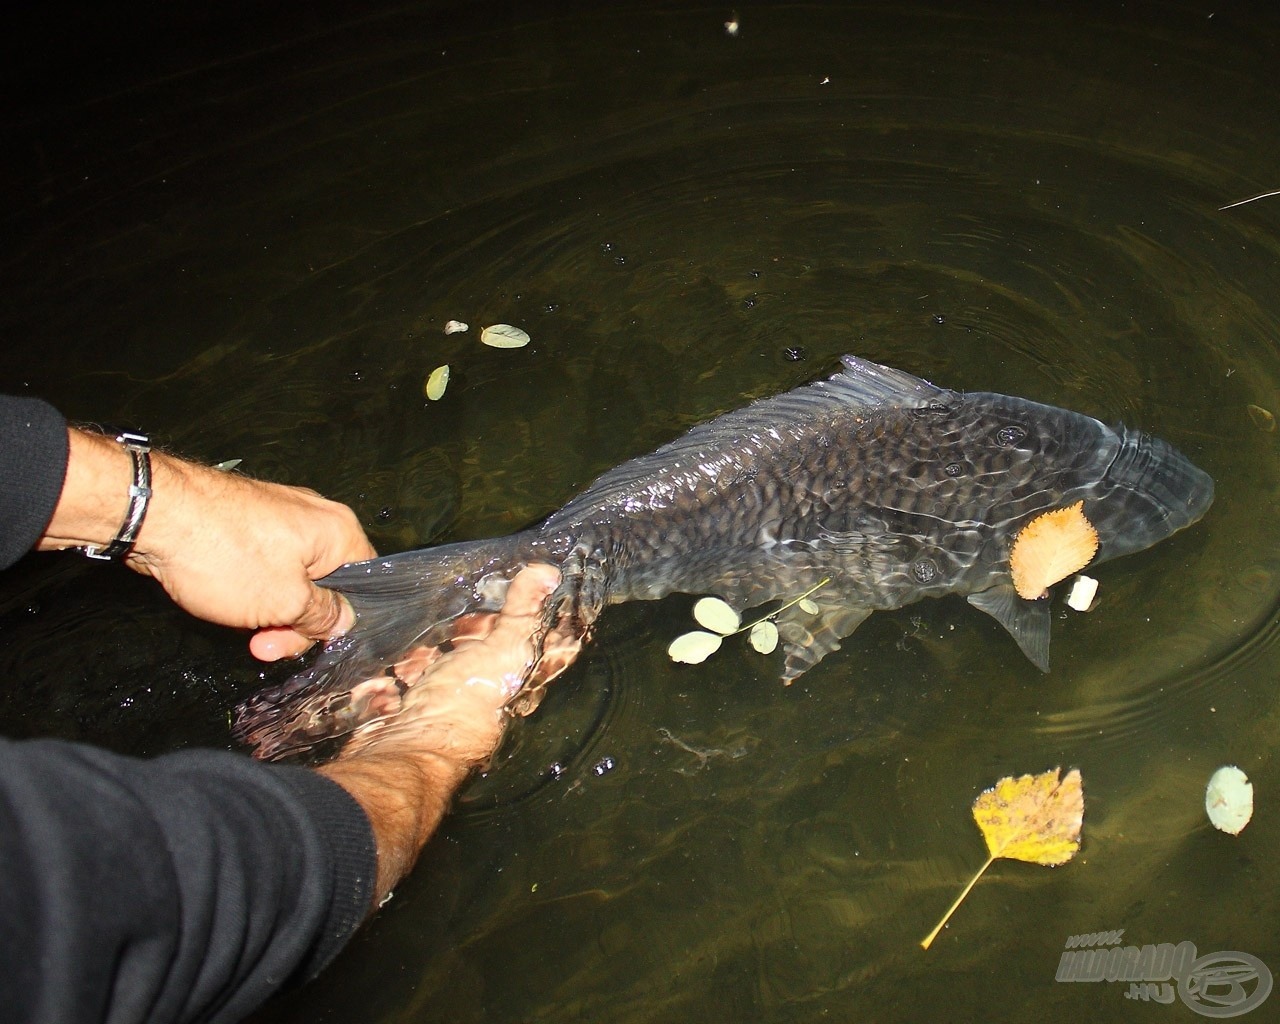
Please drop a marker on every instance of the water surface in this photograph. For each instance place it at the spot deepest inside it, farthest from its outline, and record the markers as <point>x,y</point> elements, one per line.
<point>244,230</point>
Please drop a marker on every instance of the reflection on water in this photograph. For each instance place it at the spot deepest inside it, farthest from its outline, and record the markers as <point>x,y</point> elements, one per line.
<point>250,248</point>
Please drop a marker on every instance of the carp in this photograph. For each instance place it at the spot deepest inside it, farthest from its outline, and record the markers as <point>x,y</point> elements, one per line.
<point>875,487</point>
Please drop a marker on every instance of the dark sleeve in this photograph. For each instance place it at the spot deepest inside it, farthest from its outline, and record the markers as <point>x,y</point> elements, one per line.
<point>186,888</point>
<point>33,463</point>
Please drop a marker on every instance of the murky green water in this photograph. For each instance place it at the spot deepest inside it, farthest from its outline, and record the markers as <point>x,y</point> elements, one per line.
<point>245,236</point>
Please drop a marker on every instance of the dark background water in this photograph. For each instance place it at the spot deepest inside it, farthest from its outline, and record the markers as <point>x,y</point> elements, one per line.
<point>242,229</point>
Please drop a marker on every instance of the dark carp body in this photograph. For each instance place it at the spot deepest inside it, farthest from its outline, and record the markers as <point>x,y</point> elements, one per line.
<point>888,487</point>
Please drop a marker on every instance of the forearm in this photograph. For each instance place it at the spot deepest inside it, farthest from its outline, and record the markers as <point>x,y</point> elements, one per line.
<point>95,498</point>
<point>186,888</point>
<point>33,460</point>
<point>405,770</point>
<point>405,797</point>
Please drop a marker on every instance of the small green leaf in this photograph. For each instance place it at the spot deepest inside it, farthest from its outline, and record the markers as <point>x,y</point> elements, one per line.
<point>228,466</point>
<point>764,636</point>
<point>694,648</point>
<point>716,615</point>
<point>807,606</point>
<point>437,382</point>
<point>504,336</point>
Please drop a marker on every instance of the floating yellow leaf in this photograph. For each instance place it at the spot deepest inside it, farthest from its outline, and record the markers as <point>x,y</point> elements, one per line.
<point>716,615</point>
<point>695,647</point>
<point>808,607</point>
<point>1035,818</point>
<point>1050,548</point>
<point>437,382</point>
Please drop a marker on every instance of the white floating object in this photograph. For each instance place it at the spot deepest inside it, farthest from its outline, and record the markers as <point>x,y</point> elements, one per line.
<point>716,615</point>
<point>504,336</point>
<point>732,25</point>
<point>1229,800</point>
<point>1083,591</point>
<point>437,382</point>
<point>695,647</point>
<point>456,327</point>
<point>230,464</point>
<point>764,636</point>
<point>808,607</point>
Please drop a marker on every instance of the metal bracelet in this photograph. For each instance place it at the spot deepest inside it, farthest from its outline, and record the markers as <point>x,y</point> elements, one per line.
<point>139,447</point>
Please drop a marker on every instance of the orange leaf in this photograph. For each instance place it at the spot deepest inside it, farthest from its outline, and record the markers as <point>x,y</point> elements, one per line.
<point>1050,548</point>
<point>1035,818</point>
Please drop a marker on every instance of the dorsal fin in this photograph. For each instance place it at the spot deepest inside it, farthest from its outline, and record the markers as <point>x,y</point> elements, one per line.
<point>868,384</point>
<point>861,385</point>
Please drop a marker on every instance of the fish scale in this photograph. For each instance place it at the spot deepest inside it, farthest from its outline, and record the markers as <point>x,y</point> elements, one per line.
<point>884,486</point>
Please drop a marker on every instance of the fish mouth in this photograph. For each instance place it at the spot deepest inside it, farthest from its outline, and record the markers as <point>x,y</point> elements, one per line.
<point>1150,491</point>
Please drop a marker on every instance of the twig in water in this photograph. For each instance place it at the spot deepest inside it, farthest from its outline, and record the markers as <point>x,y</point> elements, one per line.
<point>1241,202</point>
<point>703,754</point>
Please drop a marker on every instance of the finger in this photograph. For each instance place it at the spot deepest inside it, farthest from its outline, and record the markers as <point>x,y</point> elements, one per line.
<point>529,590</point>
<point>327,615</point>
<point>413,665</point>
<point>276,642</point>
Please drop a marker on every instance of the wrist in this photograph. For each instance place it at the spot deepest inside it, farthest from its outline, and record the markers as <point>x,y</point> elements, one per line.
<point>95,499</point>
<point>456,726</point>
<point>161,532</point>
<point>139,448</point>
<point>404,797</point>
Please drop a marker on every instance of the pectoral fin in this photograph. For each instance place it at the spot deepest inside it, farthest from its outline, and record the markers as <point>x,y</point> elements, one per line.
<point>1027,621</point>
<point>808,638</point>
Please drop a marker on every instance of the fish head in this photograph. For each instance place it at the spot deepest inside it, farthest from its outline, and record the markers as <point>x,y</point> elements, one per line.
<point>1135,491</point>
<point>1149,491</point>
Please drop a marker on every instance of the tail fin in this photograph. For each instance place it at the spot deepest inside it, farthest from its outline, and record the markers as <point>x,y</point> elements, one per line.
<point>402,602</point>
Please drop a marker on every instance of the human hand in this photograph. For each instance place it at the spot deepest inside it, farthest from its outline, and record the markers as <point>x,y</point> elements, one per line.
<point>235,551</point>
<point>454,706</point>
<point>244,552</point>
<point>404,770</point>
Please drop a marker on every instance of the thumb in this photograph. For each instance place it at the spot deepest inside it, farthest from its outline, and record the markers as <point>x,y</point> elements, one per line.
<point>276,642</point>
<point>327,614</point>
<point>529,589</point>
